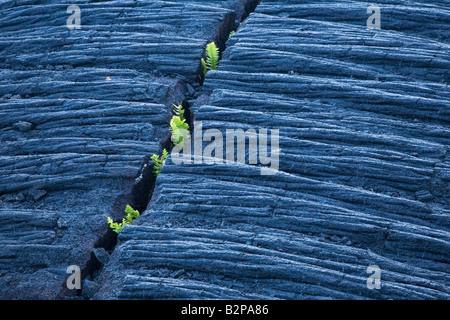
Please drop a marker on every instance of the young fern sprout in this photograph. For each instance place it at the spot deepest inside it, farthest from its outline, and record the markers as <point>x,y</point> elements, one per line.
<point>158,162</point>
<point>179,127</point>
<point>178,111</point>
<point>130,216</point>
<point>205,68</point>
<point>180,133</point>
<point>231,34</point>
<point>212,58</point>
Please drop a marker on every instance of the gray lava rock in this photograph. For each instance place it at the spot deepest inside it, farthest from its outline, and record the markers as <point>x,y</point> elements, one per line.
<point>37,194</point>
<point>99,96</point>
<point>363,122</point>
<point>23,126</point>
<point>88,289</point>
<point>101,255</point>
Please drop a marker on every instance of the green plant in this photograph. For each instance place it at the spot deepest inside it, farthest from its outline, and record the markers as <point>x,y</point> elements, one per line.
<point>231,34</point>
<point>179,127</point>
<point>205,68</point>
<point>212,58</point>
<point>130,216</point>
<point>158,162</point>
<point>180,132</point>
<point>178,111</point>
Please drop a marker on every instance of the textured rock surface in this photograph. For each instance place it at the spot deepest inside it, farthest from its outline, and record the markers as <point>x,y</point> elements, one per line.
<point>364,168</point>
<point>81,112</point>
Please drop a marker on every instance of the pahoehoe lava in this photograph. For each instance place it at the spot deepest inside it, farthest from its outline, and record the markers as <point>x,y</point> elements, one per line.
<point>363,178</point>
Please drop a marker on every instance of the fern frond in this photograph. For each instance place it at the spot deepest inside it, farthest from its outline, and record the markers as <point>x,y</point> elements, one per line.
<point>165,155</point>
<point>178,111</point>
<point>212,56</point>
<point>130,216</point>
<point>205,68</point>
<point>158,162</point>
<point>177,123</point>
<point>178,126</point>
<point>180,131</point>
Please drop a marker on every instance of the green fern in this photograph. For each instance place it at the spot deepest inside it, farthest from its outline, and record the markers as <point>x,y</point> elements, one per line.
<point>178,111</point>
<point>158,162</point>
<point>231,34</point>
<point>212,58</point>
<point>205,68</point>
<point>178,127</point>
<point>130,216</point>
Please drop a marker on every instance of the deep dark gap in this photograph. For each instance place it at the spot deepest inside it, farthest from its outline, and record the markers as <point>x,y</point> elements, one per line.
<point>250,7</point>
<point>142,190</point>
<point>142,193</point>
<point>108,241</point>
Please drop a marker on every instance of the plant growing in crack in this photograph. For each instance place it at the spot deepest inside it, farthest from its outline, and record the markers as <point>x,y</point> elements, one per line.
<point>178,111</point>
<point>130,216</point>
<point>178,127</point>
<point>158,162</point>
<point>212,58</point>
<point>180,133</point>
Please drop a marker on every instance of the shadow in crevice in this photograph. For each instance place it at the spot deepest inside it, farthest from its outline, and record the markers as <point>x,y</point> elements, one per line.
<point>249,7</point>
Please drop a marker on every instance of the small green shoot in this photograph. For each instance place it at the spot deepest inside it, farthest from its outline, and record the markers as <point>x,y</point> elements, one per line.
<point>179,127</point>
<point>158,162</point>
<point>130,216</point>
<point>178,111</point>
<point>231,34</point>
<point>205,68</point>
<point>212,58</point>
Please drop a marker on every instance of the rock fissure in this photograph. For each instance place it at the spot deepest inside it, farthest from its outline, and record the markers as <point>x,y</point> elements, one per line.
<point>142,190</point>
